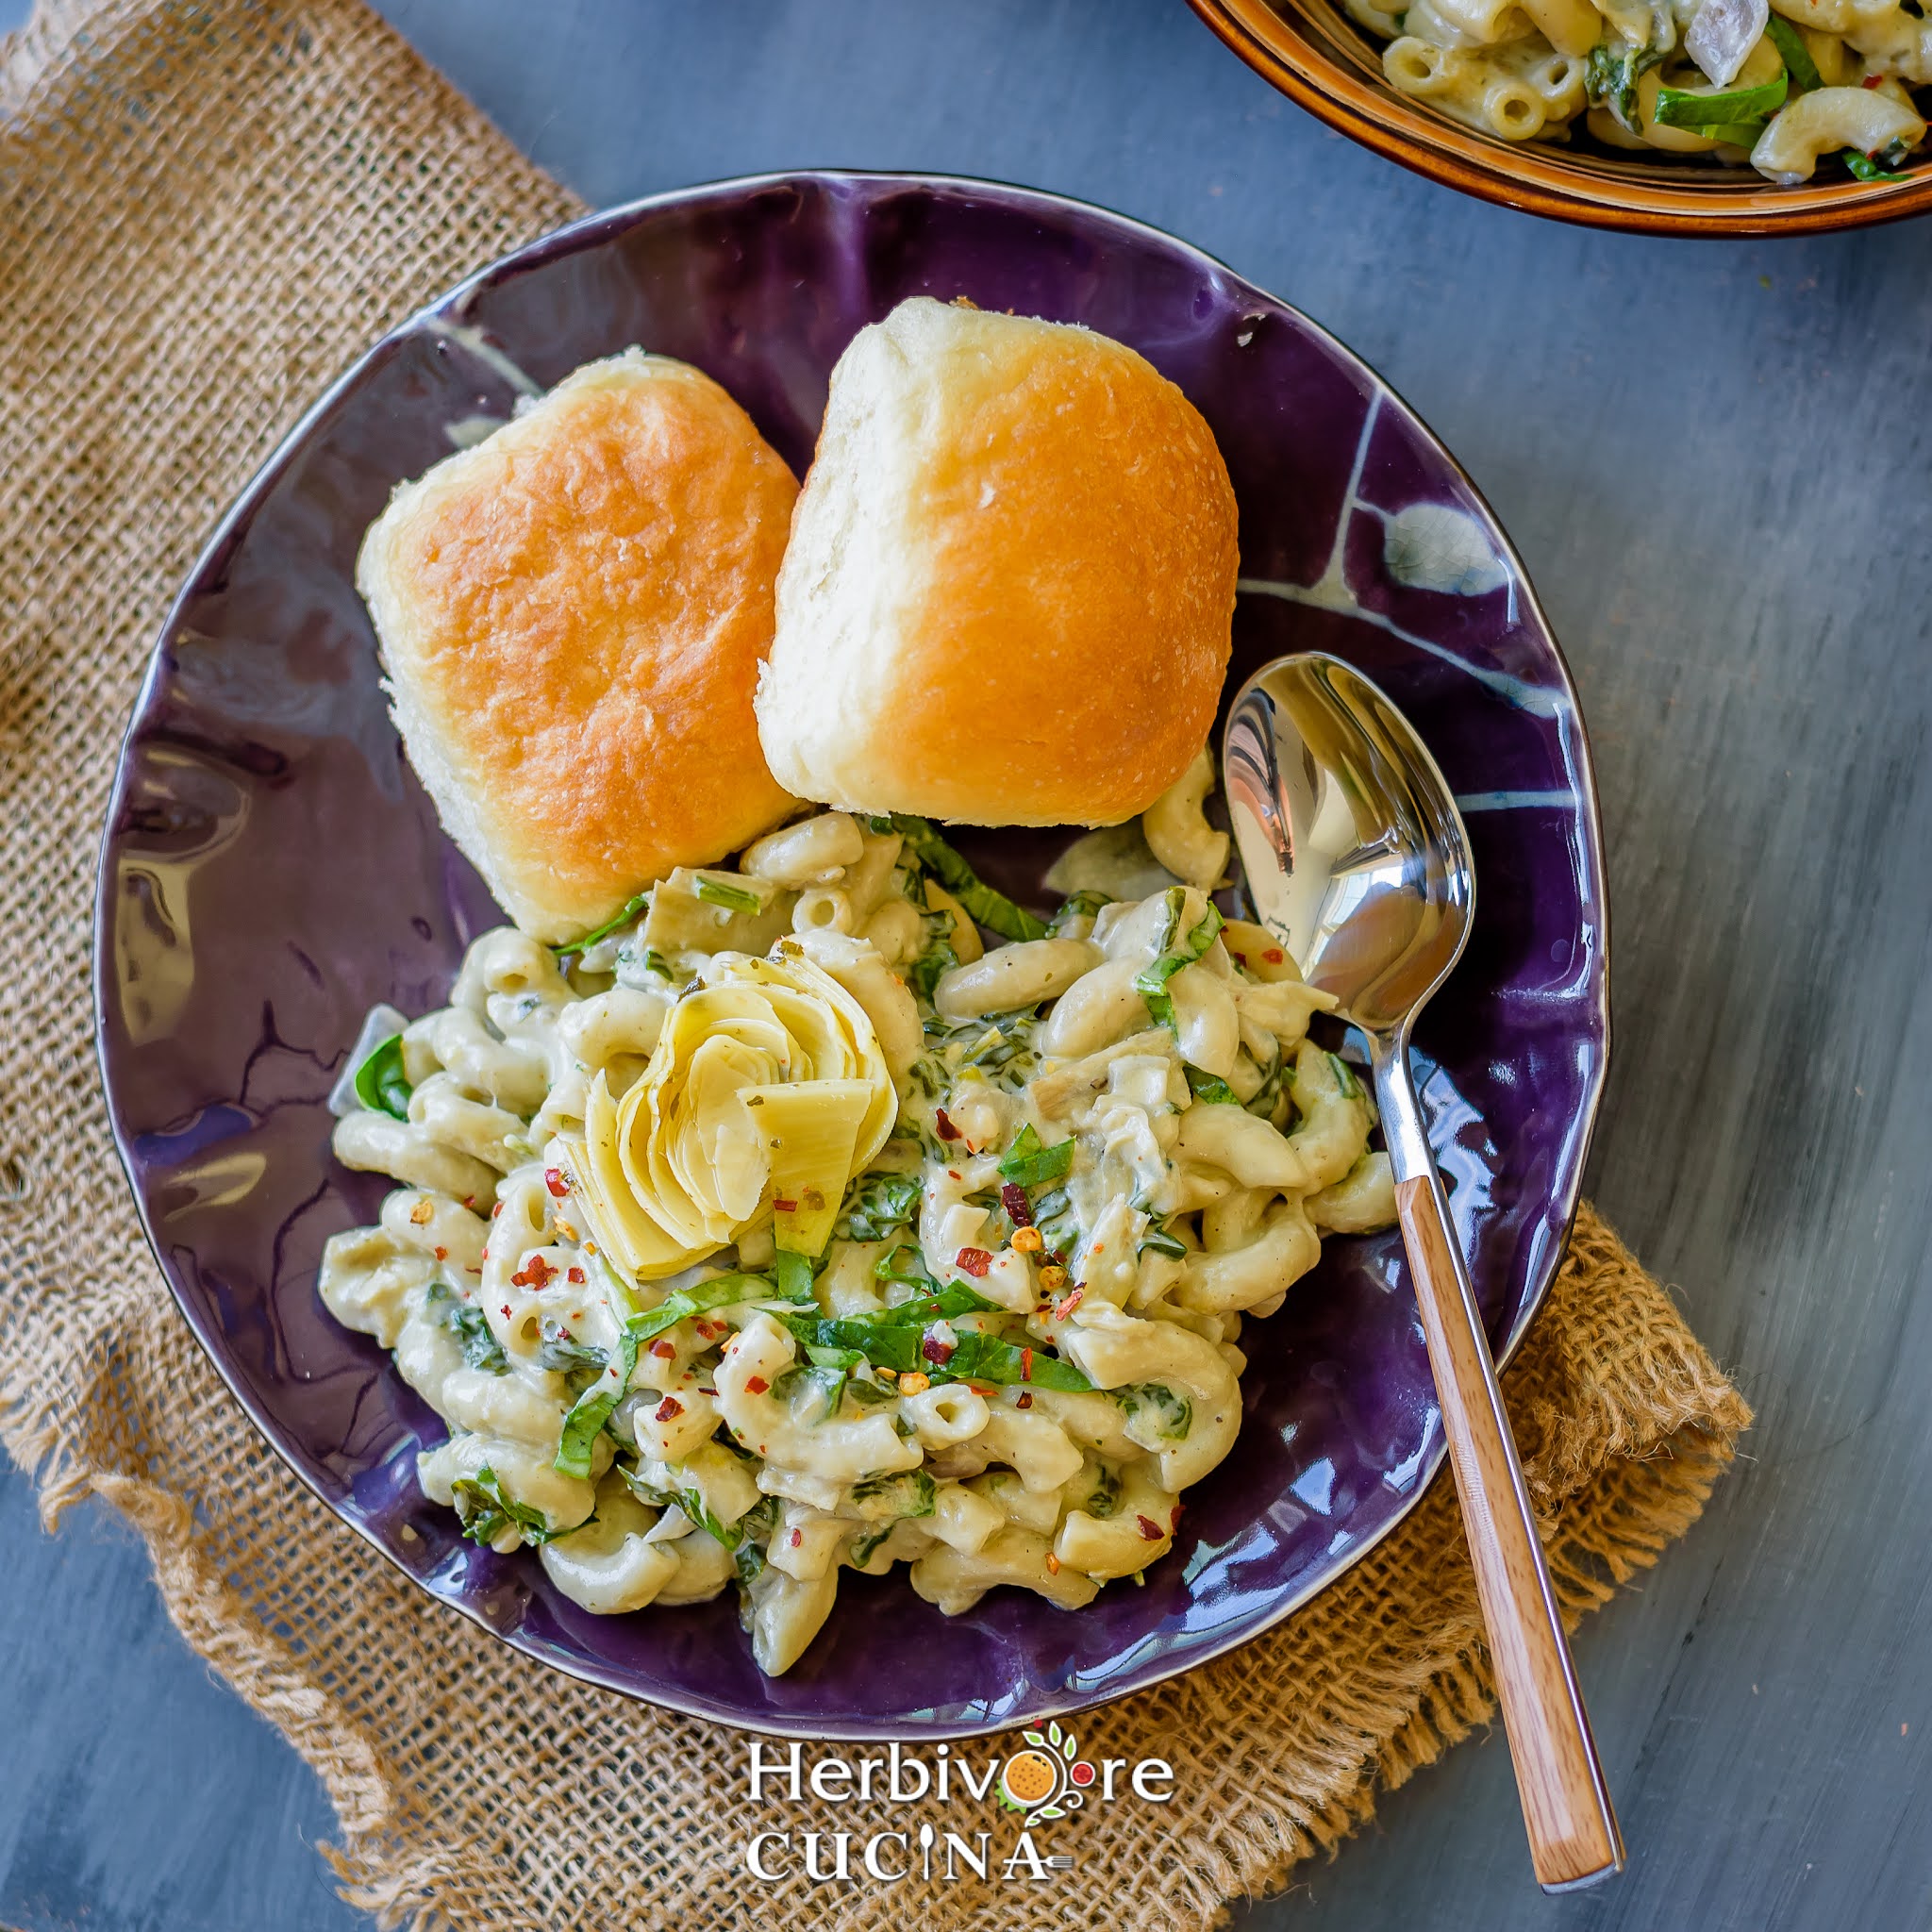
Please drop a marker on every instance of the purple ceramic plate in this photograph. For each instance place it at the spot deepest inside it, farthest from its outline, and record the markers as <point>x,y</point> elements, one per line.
<point>272,869</point>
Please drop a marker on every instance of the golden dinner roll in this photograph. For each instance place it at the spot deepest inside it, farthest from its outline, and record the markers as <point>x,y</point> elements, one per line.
<point>572,615</point>
<point>1011,581</point>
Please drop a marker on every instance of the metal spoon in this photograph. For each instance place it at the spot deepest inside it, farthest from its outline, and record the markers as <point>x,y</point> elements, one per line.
<point>1356,860</point>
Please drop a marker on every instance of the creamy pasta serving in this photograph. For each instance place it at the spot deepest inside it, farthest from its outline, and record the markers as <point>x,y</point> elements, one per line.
<point>1783,84</point>
<point>781,1228</point>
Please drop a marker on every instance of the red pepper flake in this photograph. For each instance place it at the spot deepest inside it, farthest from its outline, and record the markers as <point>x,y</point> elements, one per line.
<point>668,1411</point>
<point>663,1350</point>
<point>975,1262</point>
<point>1872,80</point>
<point>441,1253</point>
<point>1174,1517</point>
<point>1026,1365</point>
<point>1024,1400</point>
<point>497,1210</point>
<point>1149,1528</point>
<point>534,1273</point>
<point>954,1173</point>
<point>797,1538</point>
<point>506,1312</point>
<point>933,1349</point>
<point>577,1277</point>
<point>556,1181</point>
<point>1019,1208</point>
<point>944,1128</point>
<point>1062,1309</point>
<point>756,1384</point>
<point>1274,955</point>
<point>1053,1564</point>
<point>786,1207</point>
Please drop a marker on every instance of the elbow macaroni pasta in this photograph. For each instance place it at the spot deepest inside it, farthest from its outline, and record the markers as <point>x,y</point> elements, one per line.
<point>1015,1347</point>
<point>1525,70</point>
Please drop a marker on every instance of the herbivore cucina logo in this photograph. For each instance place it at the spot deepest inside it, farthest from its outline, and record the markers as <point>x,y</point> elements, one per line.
<point>1045,1780</point>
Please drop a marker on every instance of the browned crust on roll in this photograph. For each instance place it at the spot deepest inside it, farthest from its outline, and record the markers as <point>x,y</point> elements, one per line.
<point>572,615</point>
<point>1061,534</point>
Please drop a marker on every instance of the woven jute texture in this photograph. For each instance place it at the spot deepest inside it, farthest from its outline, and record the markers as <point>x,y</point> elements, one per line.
<point>208,210</point>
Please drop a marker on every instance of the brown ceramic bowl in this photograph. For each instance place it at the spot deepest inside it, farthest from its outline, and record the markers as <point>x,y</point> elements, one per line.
<point>1319,57</point>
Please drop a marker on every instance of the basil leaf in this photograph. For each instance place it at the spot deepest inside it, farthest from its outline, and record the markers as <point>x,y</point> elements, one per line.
<point>981,1357</point>
<point>721,1291</point>
<point>1866,169</point>
<point>485,1511</point>
<point>1711,114</point>
<point>1106,1499</point>
<point>721,893</point>
<point>1216,1092</point>
<point>564,1352</point>
<point>632,907</point>
<point>593,1410</point>
<point>379,1083</point>
<point>1177,952</point>
<point>1793,50</point>
<point>982,902</point>
<point>794,1270</point>
<point>1034,1166</point>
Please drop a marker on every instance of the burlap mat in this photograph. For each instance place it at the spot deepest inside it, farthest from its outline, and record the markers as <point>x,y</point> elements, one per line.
<point>208,210</point>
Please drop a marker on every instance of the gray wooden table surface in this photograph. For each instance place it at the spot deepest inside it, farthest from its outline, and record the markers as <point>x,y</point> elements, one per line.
<point>1714,458</point>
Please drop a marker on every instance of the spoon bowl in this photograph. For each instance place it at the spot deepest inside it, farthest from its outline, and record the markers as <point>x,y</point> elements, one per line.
<point>1355,859</point>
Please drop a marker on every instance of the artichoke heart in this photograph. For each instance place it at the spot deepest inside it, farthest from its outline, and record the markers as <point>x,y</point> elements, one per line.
<point>768,1085</point>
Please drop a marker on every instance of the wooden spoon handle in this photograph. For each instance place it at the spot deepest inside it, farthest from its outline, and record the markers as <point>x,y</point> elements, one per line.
<point>1574,1839</point>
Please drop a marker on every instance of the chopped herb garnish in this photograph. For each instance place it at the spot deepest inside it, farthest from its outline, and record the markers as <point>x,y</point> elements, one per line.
<point>630,911</point>
<point>891,1267</point>
<point>485,1511</point>
<point>1344,1077</point>
<point>1158,1241</point>
<point>561,1350</point>
<point>793,1271</point>
<point>902,1492</point>
<point>1177,952</point>
<point>380,1084</point>
<point>1106,1499</point>
<point>715,891</point>
<point>989,907</point>
<point>593,1410</point>
<point>1035,1166</point>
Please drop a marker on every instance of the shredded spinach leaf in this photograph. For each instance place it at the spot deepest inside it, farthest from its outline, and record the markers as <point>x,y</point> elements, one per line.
<point>982,902</point>
<point>1035,1166</point>
<point>1793,50</point>
<point>1722,116</point>
<point>1081,904</point>
<point>571,948</point>
<point>875,1203</point>
<point>593,1410</point>
<point>470,1325</point>
<point>715,891</point>
<point>1866,169</point>
<point>1177,952</point>
<point>485,1511</point>
<point>1207,1087</point>
<point>1616,65</point>
<point>1173,1414</point>
<point>379,1083</point>
<point>903,1493</point>
<point>1161,1243</point>
<point>721,1291</point>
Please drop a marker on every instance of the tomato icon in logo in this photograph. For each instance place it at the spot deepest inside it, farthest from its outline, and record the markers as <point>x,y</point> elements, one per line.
<point>1082,1774</point>
<point>1030,1778</point>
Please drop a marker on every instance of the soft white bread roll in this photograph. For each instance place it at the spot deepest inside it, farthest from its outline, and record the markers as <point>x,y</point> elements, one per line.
<point>1011,581</point>
<point>572,615</point>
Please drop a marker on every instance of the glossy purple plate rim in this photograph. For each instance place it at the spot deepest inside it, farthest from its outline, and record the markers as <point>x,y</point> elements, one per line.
<point>1162,1662</point>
